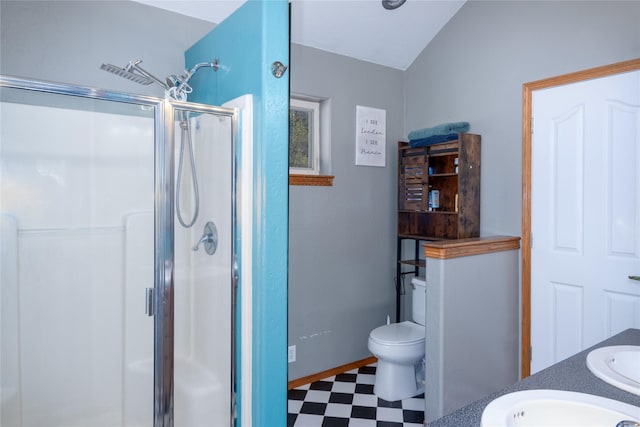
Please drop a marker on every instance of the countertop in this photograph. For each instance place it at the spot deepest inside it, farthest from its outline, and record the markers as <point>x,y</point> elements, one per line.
<point>570,374</point>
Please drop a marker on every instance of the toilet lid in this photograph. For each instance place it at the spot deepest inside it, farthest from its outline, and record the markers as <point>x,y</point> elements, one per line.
<point>398,333</point>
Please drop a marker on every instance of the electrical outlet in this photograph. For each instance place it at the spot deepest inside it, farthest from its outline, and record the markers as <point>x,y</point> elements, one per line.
<point>291,354</point>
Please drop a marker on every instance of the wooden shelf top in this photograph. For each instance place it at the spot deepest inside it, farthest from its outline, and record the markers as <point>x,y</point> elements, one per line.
<point>446,249</point>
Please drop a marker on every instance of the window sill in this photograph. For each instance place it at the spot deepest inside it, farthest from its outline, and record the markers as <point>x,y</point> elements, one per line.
<point>311,180</point>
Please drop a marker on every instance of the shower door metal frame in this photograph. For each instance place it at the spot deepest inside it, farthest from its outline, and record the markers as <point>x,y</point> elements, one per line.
<point>164,199</point>
<point>164,264</point>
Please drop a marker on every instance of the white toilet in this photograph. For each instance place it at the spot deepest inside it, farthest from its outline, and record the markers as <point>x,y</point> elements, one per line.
<point>400,349</point>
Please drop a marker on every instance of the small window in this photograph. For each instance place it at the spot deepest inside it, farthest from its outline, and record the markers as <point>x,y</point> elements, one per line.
<point>304,137</point>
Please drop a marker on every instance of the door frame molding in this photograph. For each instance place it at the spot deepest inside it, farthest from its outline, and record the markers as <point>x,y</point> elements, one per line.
<point>527,91</point>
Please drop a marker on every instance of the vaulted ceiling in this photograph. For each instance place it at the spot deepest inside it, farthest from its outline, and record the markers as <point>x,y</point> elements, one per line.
<point>360,29</point>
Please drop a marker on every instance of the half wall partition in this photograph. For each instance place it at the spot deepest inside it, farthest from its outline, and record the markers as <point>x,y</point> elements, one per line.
<point>89,249</point>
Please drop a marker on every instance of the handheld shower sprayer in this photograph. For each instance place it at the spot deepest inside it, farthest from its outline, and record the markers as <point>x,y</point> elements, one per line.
<point>179,85</point>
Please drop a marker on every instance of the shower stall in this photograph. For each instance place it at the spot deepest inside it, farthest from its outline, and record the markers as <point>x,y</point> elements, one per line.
<point>112,312</point>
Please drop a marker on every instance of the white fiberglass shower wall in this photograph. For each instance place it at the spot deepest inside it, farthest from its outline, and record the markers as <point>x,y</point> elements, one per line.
<point>79,199</point>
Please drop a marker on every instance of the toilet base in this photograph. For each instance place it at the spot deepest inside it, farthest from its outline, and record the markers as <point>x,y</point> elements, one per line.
<point>396,382</point>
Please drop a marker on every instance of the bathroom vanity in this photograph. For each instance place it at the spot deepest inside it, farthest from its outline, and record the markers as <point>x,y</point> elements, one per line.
<point>570,374</point>
<point>472,318</point>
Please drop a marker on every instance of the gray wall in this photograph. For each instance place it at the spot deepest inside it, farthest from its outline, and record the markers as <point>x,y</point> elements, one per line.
<point>67,41</point>
<point>342,238</point>
<point>475,67</point>
<point>340,285</point>
<point>472,309</point>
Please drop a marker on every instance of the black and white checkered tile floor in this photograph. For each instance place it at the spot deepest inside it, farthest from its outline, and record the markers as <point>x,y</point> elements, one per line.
<point>347,400</point>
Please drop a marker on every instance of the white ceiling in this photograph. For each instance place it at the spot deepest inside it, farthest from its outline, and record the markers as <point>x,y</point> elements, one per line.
<point>361,29</point>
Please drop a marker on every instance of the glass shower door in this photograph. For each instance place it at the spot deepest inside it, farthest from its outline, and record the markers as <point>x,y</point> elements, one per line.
<point>203,266</point>
<point>77,252</point>
<point>88,190</point>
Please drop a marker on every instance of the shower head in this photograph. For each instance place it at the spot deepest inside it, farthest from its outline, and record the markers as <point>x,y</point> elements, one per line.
<point>135,73</point>
<point>123,72</point>
<point>176,87</point>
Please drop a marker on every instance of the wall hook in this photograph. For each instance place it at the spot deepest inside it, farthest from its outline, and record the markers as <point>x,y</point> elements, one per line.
<point>278,69</point>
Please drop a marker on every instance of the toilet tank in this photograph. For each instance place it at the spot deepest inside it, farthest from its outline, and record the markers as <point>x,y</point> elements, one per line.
<point>419,300</point>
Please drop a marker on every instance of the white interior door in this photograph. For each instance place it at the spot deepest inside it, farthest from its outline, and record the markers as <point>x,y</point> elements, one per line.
<point>585,215</point>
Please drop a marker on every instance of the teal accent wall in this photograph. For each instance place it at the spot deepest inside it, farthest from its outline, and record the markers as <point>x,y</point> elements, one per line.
<point>246,44</point>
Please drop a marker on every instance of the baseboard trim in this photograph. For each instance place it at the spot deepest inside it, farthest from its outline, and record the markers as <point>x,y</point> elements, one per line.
<point>330,372</point>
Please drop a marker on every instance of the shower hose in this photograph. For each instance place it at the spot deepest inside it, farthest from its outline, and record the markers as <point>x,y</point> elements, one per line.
<point>186,135</point>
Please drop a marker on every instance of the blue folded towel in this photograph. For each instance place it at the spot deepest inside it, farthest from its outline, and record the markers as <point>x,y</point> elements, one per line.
<point>423,142</point>
<point>443,129</point>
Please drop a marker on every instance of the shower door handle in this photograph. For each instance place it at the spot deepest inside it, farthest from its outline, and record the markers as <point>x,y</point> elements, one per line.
<point>148,309</point>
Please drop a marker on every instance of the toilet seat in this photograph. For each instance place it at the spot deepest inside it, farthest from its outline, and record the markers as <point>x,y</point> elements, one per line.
<point>403,333</point>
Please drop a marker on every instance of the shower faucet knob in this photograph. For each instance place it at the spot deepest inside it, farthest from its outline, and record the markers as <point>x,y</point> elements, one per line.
<point>209,238</point>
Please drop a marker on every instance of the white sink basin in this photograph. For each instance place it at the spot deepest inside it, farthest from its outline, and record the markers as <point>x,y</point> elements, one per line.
<point>617,365</point>
<point>556,408</point>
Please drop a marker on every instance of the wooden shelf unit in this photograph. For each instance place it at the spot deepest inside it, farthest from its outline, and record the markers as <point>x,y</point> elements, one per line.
<point>453,169</point>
